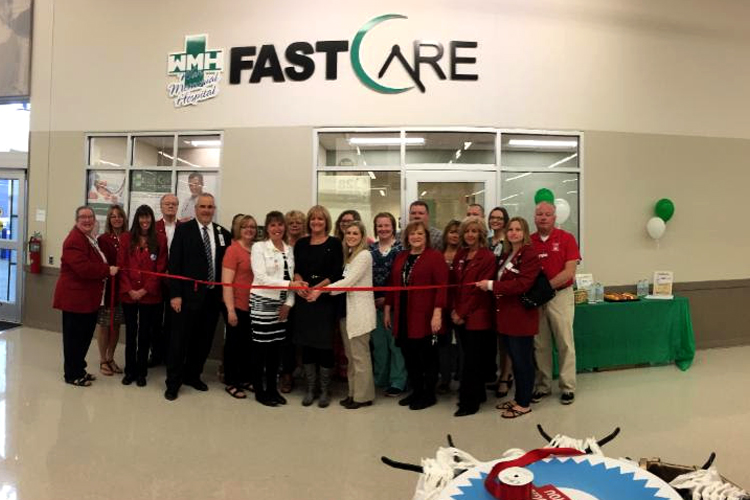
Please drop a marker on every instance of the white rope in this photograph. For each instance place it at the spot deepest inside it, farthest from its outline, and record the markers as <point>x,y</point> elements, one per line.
<point>561,441</point>
<point>708,485</point>
<point>441,470</point>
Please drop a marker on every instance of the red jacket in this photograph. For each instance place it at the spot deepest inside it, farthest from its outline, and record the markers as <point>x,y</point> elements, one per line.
<point>473,305</point>
<point>512,318</point>
<point>131,262</point>
<point>429,269</point>
<point>110,245</point>
<point>82,273</point>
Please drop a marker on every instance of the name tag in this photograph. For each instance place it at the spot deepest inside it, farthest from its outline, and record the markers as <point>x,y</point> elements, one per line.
<point>543,255</point>
<point>221,240</point>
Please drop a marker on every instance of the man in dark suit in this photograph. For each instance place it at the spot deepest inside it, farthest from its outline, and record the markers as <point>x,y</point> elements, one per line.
<point>197,252</point>
<point>160,336</point>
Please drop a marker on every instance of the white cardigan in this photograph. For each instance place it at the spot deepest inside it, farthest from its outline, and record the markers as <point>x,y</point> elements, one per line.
<point>360,306</point>
<point>268,269</point>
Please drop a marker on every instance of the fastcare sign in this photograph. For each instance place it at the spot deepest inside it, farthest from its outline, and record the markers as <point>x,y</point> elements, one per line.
<point>198,69</point>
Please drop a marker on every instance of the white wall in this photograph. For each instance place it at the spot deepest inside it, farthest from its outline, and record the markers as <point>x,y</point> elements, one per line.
<point>673,66</point>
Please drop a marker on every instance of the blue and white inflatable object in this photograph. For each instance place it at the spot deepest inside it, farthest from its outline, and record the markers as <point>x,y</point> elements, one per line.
<point>586,477</point>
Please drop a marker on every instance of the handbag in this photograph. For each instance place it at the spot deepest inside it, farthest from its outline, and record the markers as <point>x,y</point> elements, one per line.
<point>539,294</point>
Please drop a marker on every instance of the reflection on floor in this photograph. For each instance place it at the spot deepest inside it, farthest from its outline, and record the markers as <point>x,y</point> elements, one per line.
<point>114,442</point>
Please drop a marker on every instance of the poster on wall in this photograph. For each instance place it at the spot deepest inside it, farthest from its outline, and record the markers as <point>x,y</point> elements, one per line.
<point>189,186</point>
<point>147,187</point>
<point>105,188</point>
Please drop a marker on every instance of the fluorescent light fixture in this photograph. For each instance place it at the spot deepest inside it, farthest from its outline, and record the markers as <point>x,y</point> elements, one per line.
<point>511,197</point>
<point>385,141</point>
<point>467,145</point>
<point>543,143</point>
<point>359,153</point>
<point>458,154</point>
<point>570,180</point>
<point>517,176</point>
<point>364,162</point>
<point>371,174</point>
<point>559,162</point>
<point>109,163</point>
<point>211,143</point>
<point>572,192</point>
<point>180,160</point>
<point>382,192</point>
<point>422,193</point>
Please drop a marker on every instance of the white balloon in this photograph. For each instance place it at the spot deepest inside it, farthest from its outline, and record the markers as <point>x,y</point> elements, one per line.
<point>562,210</point>
<point>656,227</point>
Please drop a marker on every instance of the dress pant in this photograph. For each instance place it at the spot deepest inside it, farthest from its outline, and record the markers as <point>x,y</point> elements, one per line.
<point>421,357</point>
<point>489,358</point>
<point>389,368</point>
<point>78,330</point>
<point>521,350</point>
<point>265,366</point>
<point>472,392</point>
<point>139,324</point>
<point>556,321</point>
<point>359,367</point>
<point>237,349</point>
<point>448,357</point>
<point>192,336</point>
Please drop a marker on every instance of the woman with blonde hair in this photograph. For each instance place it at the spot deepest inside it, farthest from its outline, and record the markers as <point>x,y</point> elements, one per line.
<point>106,338</point>
<point>318,262</point>
<point>295,226</point>
<point>360,316</point>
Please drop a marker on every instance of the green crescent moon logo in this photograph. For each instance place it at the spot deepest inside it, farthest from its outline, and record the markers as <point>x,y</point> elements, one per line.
<point>357,64</point>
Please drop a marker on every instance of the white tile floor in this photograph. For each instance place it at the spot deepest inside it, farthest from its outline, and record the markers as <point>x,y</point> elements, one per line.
<point>114,442</point>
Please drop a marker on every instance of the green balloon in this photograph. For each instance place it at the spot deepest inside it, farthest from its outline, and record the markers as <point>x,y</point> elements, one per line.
<point>544,194</point>
<point>664,209</point>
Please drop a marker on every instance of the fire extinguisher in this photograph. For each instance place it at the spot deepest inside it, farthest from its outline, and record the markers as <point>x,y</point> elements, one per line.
<point>35,254</point>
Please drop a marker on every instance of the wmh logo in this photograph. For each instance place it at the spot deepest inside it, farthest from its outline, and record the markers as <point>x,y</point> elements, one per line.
<point>192,64</point>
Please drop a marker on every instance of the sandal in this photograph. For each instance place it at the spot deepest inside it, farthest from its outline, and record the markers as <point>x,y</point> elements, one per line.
<point>105,369</point>
<point>114,366</point>
<point>80,382</point>
<point>508,386</point>
<point>514,413</point>
<point>235,392</point>
<point>506,406</point>
<point>246,386</point>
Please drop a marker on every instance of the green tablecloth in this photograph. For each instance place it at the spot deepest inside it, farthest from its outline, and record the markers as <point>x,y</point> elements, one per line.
<point>655,331</point>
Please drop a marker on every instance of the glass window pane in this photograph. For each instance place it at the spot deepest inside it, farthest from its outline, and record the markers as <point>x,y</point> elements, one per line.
<point>198,151</point>
<point>108,151</point>
<point>14,127</point>
<point>105,188</point>
<point>189,186</point>
<point>153,151</point>
<point>8,272</point>
<point>450,147</point>
<point>367,192</point>
<point>9,223</point>
<point>539,151</point>
<point>518,190</point>
<point>147,187</point>
<point>448,200</point>
<point>359,149</point>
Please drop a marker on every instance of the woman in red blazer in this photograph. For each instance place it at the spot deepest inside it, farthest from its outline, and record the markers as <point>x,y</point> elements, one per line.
<point>79,292</point>
<point>472,311</point>
<point>417,314</point>
<point>516,324</point>
<point>141,249</point>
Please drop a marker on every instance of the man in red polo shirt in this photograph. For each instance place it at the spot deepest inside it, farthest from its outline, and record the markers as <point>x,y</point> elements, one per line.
<point>559,254</point>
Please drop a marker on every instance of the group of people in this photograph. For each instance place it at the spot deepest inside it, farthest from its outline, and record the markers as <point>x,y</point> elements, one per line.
<point>416,308</point>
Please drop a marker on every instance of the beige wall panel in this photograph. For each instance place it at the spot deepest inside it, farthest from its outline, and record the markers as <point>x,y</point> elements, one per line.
<point>657,67</point>
<point>625,174</point>
<point>265,169</point>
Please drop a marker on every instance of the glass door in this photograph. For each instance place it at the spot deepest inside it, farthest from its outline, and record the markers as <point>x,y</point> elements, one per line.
<point>449,193</point>
<point>12,240</point>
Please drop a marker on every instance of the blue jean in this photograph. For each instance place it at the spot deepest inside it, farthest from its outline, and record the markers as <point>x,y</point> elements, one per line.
<point>521,350</point>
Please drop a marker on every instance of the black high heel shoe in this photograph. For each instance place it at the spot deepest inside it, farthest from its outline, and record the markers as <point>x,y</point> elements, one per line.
<point>508,383</point>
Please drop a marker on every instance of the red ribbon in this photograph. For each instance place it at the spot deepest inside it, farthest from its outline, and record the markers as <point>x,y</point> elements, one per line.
<point>197,282</point>
<point>497,489</point>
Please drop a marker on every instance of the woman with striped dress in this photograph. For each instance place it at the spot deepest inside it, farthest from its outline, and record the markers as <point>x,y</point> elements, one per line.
<point>272,262</point>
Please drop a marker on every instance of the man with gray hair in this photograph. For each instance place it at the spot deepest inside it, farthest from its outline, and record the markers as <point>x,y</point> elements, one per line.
<point>559,255</point>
